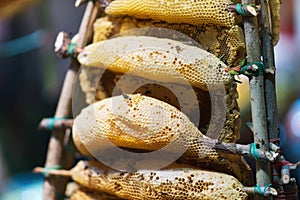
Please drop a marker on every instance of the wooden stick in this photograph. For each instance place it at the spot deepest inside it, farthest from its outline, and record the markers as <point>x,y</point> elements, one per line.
<point>238,149</point>
<point>58,124</point>
<point>258,110</point>
<point>231,148</point>
<point>63,48</point>
<point>55,147</point>
<point>274,147</point>
<point>266,191</point>
<point>59,172</point>
<point>269,62</point>
<point>247,9</point>
<point>269,79</point>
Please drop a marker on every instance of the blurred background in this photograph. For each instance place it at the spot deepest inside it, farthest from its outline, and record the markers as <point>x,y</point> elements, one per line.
<point>31,78</point>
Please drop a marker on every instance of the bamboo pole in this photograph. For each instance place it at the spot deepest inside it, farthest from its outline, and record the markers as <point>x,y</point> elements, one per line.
<point>269,62</point>
<point>270,87</point>
<point>258,109</point>
<point>55,147</point>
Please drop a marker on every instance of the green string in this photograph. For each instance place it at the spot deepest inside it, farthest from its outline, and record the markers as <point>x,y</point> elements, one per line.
<point>253,151</point>
<point>71,50</point>
<point>46,170</point>
<point>259,191</point>
<point>240,9</point>
<point>261,67</point>
<point>53,120</point>
<point>246,69</point>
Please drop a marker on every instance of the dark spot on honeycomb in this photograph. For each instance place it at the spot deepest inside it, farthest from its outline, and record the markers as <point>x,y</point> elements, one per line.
<point>118,187</point>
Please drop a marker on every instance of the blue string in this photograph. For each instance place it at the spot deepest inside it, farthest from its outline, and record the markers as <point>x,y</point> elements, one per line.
<point>257,188</point>
<point>240,9</point>
<point>261,67</point>
<point>259,191</point>
<point>71,49</point>
<point>46,170</point>
<point>53,120</point>
<point>253,151</point>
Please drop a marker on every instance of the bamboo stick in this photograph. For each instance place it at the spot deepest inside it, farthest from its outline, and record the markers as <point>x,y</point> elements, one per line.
<point>269,62</point>
<point>54,172</point>
<point>55,147</point>
<point>258,110</point>
<point>269,191</point>
<point>86,177</point>
<point>248,9</point>
<point>58,124</point>
<point>237,149</point>
<point>270,84</point>
<point>229,148</point>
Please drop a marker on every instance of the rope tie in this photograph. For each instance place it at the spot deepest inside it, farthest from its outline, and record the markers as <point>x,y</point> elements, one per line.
<point>242,10</point>
<point>46,170</point>
<point>248,69</point>
<point>253,151</point>
<point>53,120</point>
<point>259,191</point>
<point>72,50</point>
<point>260,68</point>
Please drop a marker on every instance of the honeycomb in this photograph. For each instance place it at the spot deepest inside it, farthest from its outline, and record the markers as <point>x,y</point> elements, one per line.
<point>89,84</point>
<point>215,39</point>
<point>174,11</point>
<point>158,59</point>
<point>231,129</point>
<point>221,41</point>
<point>153,116</point>
<point>176,182</point>
<point>183,97</point>
<point>141,122</point>
<point>191,12</point>
<point>86,194</point>
<point>111,112</point>
<point>129,121</point>
<point>93,89</point>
